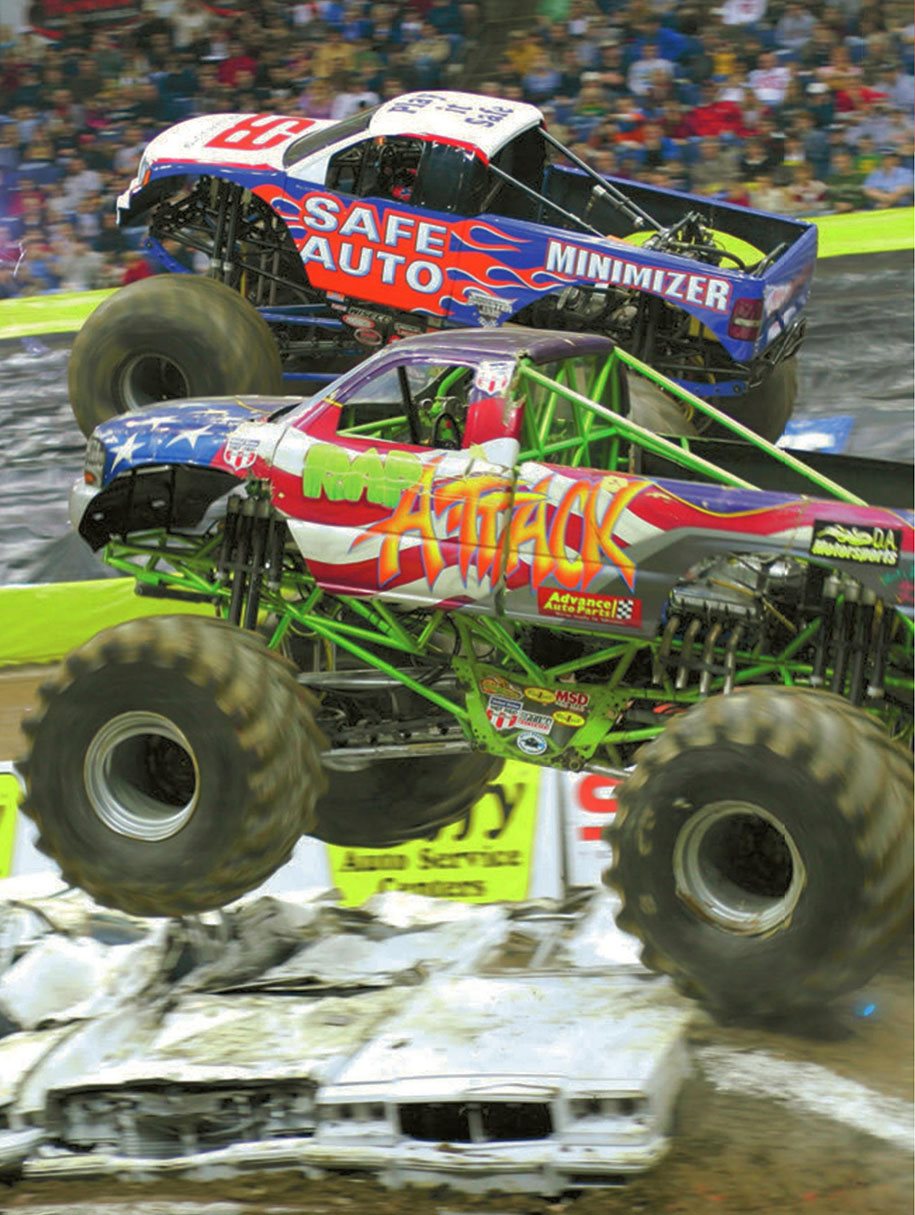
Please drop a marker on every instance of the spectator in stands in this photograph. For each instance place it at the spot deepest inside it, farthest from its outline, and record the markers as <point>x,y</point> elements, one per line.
<point>111,240</point>
<point>543,81</point>
<point>317,100</point>
<point>743,12</point>
<point>716,169</point>
<point>794,28</point>
<point>191,22</point>
<point>427,56</point>
<point>818,50</point>
<point>845,183</point>
<point>521,52</point>
<point>867,158</point>
<point>353,95</point>
<point>814,141</point>
<point>819,103</point>
<point>767,195</point>
<point>769,80</point>
<point>611,69</point>
<point>333,55</point>
<point>890,185</point>
<point>806,194</point>
<point>239,59</point>
<point>644,70</point>
<point>756,161</point>
<point>713,116</point>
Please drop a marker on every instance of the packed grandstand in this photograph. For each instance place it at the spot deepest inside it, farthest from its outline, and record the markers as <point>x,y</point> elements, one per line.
<point>794,108</point>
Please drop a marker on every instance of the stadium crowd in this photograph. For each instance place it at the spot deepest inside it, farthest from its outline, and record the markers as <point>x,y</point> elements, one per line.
<point>788,107</point>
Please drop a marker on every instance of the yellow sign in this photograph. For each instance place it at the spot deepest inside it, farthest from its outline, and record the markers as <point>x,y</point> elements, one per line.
<point>483,858</point>
<point>10,794</point>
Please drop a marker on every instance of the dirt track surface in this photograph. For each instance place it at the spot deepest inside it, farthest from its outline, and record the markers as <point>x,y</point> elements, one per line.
<point>18,693</point>
<point>815,1119</point>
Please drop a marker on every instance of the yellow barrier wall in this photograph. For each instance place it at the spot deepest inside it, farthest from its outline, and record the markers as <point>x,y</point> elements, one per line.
<point>42,623</point>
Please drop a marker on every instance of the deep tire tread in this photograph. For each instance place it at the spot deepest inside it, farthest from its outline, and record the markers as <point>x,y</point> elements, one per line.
<point>862,771</point>
<point>273,727</point>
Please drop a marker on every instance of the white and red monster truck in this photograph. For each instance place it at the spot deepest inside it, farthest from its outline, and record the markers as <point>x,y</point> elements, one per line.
<point>323,240</point>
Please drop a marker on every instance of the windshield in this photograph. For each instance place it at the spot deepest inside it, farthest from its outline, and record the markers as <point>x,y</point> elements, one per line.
<point>323,138</point>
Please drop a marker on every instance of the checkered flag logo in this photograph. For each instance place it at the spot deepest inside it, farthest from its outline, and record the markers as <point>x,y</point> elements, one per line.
<point>624,609</point>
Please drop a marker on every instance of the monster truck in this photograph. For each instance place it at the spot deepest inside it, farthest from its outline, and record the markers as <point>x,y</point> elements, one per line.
<point>476,545</point>
<point>434,209</point>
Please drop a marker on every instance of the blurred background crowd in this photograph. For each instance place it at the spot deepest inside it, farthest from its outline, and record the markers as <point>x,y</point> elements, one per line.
<point>793,108</point>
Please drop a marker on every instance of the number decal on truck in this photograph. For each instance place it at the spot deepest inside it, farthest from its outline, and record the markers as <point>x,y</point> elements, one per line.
<point>259,132</point>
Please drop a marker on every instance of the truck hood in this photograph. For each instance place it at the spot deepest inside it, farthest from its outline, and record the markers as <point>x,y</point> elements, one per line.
<point>250,141</point>
<point>185,432</point>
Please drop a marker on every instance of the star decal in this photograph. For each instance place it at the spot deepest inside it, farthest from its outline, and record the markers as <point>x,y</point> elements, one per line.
<point>189,436</point>
<point>124,451</point>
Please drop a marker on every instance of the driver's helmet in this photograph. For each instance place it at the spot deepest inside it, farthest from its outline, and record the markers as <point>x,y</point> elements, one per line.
<point>403,183</point>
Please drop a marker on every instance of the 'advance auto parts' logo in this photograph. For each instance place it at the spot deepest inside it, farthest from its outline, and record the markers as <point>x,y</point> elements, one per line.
<point>866,545</point>
<point>598,609</point>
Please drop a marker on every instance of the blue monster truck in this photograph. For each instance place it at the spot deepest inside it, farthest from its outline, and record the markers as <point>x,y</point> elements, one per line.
<point>324,240</point>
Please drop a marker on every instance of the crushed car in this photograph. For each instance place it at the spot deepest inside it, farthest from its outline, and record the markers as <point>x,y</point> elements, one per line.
<point>321,241</point>
<point>480,545</point>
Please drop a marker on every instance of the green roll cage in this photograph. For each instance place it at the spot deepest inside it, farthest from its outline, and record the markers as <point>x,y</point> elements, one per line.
<point>587,435</point>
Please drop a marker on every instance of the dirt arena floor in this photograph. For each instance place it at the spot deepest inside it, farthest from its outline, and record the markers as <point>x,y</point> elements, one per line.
<point>815,1118</point>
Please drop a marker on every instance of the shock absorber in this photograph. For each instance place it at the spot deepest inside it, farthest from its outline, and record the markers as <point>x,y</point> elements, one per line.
<point>875,690</point>
<point>261,534</point>
<point>842,630</point>
<point>830,594</point>
<point>864,623</point>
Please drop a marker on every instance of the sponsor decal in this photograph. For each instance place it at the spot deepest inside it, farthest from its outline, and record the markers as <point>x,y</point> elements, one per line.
<point>847,542</point>
<point>531,744</point>
<point>571,698</point>
<point>563,698</point>
<point>565,717</point>
<point>519,719</point>
<point>597,609</point>
<point>241,451</point>
<point>705,290</point>
<point>495,685</point>
<point>493,379</point>
<point>538,722</point>
<point>384,248</point>
<point>502,721</point>
<point>491,309</point>
<point>483,858</point>
<point>542,696</point>
<point>500,704</point>
<point>476,112</point>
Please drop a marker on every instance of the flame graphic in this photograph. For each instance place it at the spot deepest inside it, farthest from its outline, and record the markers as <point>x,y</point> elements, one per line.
<point>466,234</point>
<point>487,280</point>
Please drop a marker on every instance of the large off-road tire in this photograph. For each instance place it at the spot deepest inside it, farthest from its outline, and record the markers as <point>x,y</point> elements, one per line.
<point>396,800</point>
<point>173,335</point>
<point>171,769</point>
<point>763,850</point>
<point>764,409</point>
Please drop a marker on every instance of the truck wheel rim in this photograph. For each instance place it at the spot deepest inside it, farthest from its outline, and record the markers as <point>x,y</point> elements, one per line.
<point>737,867</point>
<point>149,379</point>
<point>141,776</point>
